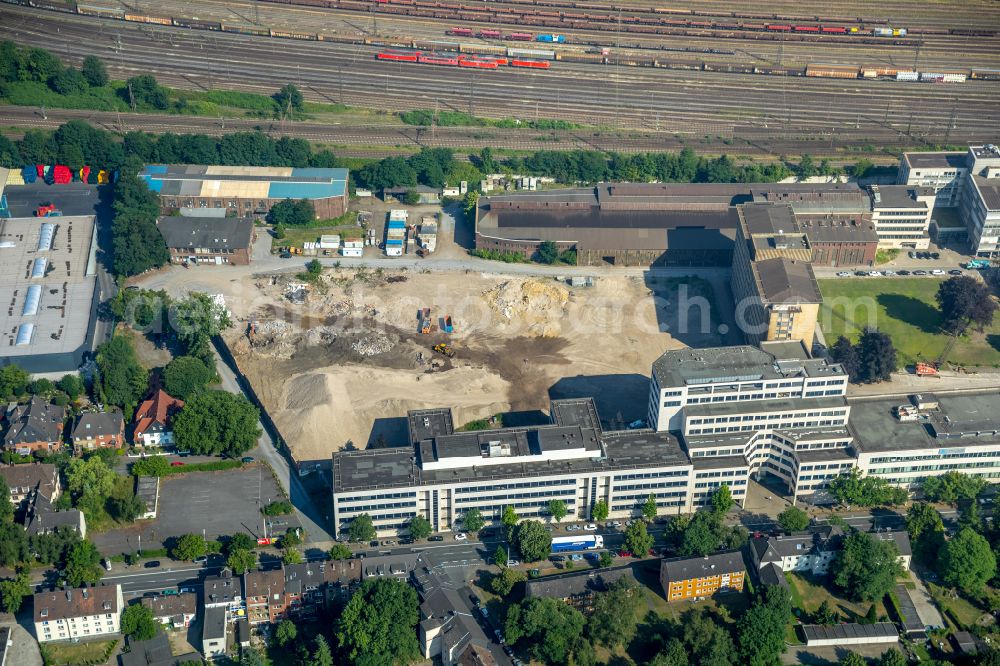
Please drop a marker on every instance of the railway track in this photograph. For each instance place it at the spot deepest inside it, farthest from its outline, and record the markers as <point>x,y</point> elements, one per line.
<point>702,103</point>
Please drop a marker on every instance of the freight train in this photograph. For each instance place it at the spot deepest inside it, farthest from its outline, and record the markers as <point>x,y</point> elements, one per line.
<point>773,27</point>
<point>461,60</point>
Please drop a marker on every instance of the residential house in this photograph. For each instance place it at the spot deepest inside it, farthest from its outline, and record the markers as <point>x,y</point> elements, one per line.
<point>578,586</point>
<point>701,577</point>
<point>296,589</point>
<point>214,633</point>
<point>177,610</point>
<point>98,430</point>
<point>224,591</point>
<point>42,518</point>
<point>208,240</point>
<point>814,550</point>
<point>27,481</point>
<point>447,628</point>
<point>154,652</point>
<point>153,420</point>
<point>78,613</point>
<point>265,595</point>
<point>36,426</point>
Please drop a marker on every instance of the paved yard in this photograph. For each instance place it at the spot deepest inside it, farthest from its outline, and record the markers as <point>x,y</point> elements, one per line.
<point>213,503</point>
<point>71,199</point>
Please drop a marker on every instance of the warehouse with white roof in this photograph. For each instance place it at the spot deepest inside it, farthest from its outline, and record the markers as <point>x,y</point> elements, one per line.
<point>48,279</point>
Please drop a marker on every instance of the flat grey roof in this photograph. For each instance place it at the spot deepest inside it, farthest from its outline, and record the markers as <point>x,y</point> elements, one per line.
<point>227,233</point>
<point>824,455</point>
<point>936,160</point>
<point>215,623</point>
<point>900,196</point>
<point>564,586</point>
<point>849,631</point>
<point>777,405</point>
<point>768,218</point>
<point>722,440</point>
<point>398,467</point>
<point>56,305</point>
<point>990,190</point>
<point>973,419</point>
<point>719,462</point>
<point>698,367</point>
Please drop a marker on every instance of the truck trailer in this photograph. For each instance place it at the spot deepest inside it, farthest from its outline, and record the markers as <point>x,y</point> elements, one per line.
<point>571,543</point>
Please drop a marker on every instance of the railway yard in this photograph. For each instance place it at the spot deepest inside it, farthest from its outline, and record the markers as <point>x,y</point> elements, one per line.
<point>741,77</point>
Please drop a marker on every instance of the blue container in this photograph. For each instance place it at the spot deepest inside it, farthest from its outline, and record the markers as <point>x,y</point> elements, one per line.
<point>29,173</point>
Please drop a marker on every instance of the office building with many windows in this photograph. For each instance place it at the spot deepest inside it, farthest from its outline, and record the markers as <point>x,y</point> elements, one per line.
<point>443,474</point>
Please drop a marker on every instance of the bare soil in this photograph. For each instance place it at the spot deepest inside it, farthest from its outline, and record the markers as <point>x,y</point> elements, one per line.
<point>344,367</point>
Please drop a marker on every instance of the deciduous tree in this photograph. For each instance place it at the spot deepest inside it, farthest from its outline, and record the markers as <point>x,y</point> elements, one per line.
<point>722,500</point>
<point>965,301</point>
<point>285,632</point>
<point>13,591</point>
<point>379,624</point>
<point>649,507</point>
<point>557,509</point>
<point>551,628</point>
<point>793,519</point>
<point>340,551</point>
<point>288,98</point>
<point>967,561</point>
<point>876,356</point>
<point>472,520</point>
<point>638,540</point>
<point>240,561</point>
<point>505,581</point>
<point>926,530</point>
<point>137,244</point>
<point>952,486</point>
<point>600,511</point>
<point>189,547</point>
<point>867,567</point>
<point>361,528</point>
<point>94,71</point>
<point>185,375</point>
<point>121,380</point>
<point>138,623</point>
<point>761,630</point>
<point>613,619</point>
<point>532,540</point>
<point>83,564</point>
<point>419,527</point>
<point>215,422</point>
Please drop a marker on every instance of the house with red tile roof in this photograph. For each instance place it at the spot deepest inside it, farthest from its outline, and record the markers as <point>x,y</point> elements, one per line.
<point>153,419</point>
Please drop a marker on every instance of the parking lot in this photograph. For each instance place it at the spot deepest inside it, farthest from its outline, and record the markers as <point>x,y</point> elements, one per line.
<point>71,199</point>
<point>212,503</point>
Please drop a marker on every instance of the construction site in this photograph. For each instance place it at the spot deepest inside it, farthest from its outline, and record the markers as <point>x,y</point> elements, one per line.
<point>338,361</point>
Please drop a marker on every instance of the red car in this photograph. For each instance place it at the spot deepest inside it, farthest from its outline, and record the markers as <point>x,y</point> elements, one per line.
<point>177,463</point>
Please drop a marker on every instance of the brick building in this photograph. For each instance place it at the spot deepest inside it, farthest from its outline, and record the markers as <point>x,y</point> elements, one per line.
<point>36,426</point>
<point>208,240</point>
<point>246,191</point>
<point>98,430</point>
<point>153,420</point>
<point>701,577</point>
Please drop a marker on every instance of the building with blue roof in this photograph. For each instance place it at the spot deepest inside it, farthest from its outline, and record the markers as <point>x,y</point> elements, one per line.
<point>246,191</point>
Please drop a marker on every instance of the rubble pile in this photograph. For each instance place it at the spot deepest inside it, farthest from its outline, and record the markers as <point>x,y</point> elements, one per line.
<point>372,345</point>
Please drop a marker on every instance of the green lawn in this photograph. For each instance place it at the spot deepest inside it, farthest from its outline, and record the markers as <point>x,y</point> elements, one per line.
<point>809,592</point>
<point>296,237</point>
<point>70,654</point>
<point>959,609</point>
<point>905,309</point>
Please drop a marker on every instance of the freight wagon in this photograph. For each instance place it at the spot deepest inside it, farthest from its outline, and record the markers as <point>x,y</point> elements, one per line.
<point>532,53</point>
<point>832,71</point>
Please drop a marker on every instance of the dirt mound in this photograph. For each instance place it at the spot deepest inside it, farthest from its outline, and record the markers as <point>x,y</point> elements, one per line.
<point>535,306</point>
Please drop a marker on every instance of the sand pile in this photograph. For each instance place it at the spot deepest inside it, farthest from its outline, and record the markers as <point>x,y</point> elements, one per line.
<point>537,305</point>
<point>323,409</point>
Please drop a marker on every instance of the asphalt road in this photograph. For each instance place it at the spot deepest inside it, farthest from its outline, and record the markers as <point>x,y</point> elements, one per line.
<point>676,101</point>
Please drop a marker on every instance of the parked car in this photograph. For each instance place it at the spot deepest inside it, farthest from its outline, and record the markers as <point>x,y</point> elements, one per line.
<point>460,536</point>
<point>576,557</point>
<point>177,463</point>
<point>405,541</point>
<point>861,273</point>
<point>513,563</point>
<point>889,273</point>
<point>508,650</point>
<point>920,272</point>
<point>285,255</point>
<point>152,565</point>
<point>954,271</point>
<point>246,459</point>
<point>615,523</point>
<point>557,558</point>
<point>937,271</point>
<point>843,274</point>
<point>591,555</point>
<point>875,273</point>
<point>198,560</point>
<point>496,632</point>
<point>107,564</point>
<point>912,254</point>
<point>436,537</point>
<point>935,255</point>
<point>483,611</point>
<point>572,528</point>
<point>904,272</point>
<point>590,527</point>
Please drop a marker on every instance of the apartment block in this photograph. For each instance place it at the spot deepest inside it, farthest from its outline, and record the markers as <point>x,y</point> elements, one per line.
<point>701,577</point>
<point>943,171</point>
<point>78,613</point>
<point>814,550</point>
